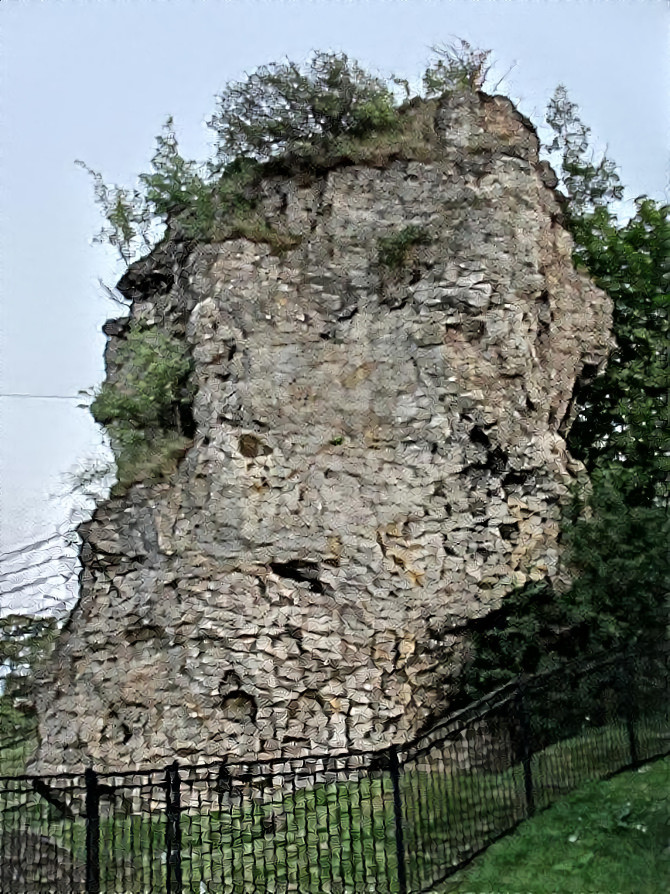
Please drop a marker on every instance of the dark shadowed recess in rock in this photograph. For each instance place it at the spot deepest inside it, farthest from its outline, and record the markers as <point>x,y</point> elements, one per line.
<point>297,570</point>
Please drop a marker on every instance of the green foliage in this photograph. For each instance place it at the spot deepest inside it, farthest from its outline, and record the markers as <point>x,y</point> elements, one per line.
<point>142,456</point>
<point>588,185</point>
<point>174,182</point>
<point>25,644</point>
<point>24,639</point>
<point>127,214</point>
<point>618,556</point>
<point>458,67</point>
<point>154,369</point>
<point>178,193</point>
<point>281,117</point>
<point>621,563</point>
<point>394,250</point>
<point>616,539</point>
<point>523,637</point>
<point>622,428</point>
<point>283,108</point>
<point>143,407</point>
<point>234,190</point>
<point>621,431</point>
<point>176,189</point>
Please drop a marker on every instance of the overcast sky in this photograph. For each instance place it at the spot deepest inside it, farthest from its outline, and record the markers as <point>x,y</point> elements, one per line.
<point>96,79</point>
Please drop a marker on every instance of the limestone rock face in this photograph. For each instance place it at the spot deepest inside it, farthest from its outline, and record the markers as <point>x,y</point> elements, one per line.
<point>378,459</point>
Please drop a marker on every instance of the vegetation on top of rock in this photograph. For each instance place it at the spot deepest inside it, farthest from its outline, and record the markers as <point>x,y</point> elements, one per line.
<point>456,68</point>
<point>127,215</point>
<point>283,116</point>
<point>284,108</point>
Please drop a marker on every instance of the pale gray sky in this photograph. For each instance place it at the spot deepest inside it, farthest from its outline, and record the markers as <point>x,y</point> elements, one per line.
<point>96,79</point>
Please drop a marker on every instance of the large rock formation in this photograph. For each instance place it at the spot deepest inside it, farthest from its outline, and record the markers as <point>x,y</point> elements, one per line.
<point>378,459</point>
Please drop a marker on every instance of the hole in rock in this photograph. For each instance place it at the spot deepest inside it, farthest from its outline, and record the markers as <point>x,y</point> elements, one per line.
<point>239,706</point>
<point>251,447</point>
<point>187,423</point>
<point>229,682</point>
<point>298,570</point>
<point>138,285</point>
<point>509,531</point>
<point>496,460</point>
<point>479,436</point>
<point>515,477</point>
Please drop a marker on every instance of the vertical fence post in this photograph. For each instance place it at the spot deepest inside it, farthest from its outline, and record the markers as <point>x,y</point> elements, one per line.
<point>526,746</point>
<point>397,815</point>
<point>92,832</point>
<point>173,830</point>
<point>629,707</point>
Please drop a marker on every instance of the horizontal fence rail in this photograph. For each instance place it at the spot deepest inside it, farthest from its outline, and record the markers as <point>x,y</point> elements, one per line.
<point>395,821</point>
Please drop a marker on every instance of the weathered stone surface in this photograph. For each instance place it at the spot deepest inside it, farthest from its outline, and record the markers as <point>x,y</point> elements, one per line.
<point>379,458</point>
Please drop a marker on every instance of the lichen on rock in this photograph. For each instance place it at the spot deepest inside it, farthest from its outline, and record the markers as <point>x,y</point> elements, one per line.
<point>378,458</point>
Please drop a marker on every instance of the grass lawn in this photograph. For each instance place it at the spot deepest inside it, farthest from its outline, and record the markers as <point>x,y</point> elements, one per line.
<point>610,837</point>
<point>339,837</point>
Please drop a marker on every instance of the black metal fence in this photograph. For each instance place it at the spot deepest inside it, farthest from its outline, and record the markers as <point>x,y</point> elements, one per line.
<point>394,821</point>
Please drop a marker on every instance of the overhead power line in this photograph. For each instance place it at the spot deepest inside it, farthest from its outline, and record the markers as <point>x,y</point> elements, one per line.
<point>25,568</point>
<point>32,546</point>
<point>44,396</point>
<point>35,583</point>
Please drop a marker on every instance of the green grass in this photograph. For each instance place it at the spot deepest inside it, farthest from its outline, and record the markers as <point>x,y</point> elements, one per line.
<point>609,836</point>
<point>331,838</point>
<point>15,756</point>
<point>339,837</point>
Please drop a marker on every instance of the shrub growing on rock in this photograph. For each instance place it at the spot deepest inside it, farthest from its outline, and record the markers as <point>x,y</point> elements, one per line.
<point>393,250</point>
<point>151,388</point>
<point>309,116</point>
<point>458,67</point>
<point>127,215</point>
<point>145,406</point>
<point>284,108</point>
